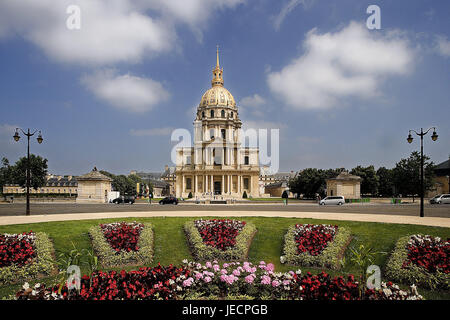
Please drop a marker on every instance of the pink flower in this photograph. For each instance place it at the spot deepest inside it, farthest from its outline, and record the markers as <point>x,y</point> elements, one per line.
<point>249,278</point>
<point>207,279</point>
<point>265,279</point>
<point>198,276</point>
<point>208,264</point>
<point>270,267</point>
<point>216,267</point>
<point>236,273</point>
<point>275,283</point>
<point>223,271</point>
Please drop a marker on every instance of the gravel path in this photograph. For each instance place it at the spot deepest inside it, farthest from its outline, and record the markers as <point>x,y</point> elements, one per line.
<point>429,221</point>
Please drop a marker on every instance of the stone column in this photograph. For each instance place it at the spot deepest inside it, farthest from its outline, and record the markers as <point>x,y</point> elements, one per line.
<point>212,184</point>
<point>222,187</point>
<point>195,184</point>
<point>229,184</point>
<point>239,184</point>
<point>183,184</point>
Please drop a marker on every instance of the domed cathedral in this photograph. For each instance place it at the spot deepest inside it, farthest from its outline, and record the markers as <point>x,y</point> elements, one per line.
<point>217,166</point>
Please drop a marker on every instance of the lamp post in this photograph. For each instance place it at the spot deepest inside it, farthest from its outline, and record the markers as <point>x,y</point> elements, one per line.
<point>434,137</point>
<point>39,140</point>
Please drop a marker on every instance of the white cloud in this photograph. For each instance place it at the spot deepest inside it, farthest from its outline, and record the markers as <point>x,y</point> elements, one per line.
<point>111,31</point>
<point>443,46</point>
<point>253,101</point>
<point>352,62</point>
<point>151,132</point>
<point>194,13</point>
<point>126,92</point>
<point>288,8</point>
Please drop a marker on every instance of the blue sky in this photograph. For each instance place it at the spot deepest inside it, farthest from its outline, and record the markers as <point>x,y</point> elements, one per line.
<point>109,94</point>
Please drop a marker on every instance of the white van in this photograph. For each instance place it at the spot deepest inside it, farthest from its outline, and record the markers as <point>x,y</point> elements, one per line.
<point>336,200</point>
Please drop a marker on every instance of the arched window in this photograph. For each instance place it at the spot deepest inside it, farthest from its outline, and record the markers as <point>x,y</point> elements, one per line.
<point>232,114</point>
<point>203,114</point>
<point>223,113</point>
<point>212,113</point>
<point>224,133</point>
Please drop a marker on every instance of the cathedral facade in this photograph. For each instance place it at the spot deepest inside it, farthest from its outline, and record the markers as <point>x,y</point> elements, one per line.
<point>217,165</point>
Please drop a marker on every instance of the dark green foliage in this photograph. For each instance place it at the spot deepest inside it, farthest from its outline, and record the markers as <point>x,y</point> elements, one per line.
<point>38,171</point>
<point>370,180</point>
<point>406,175</point>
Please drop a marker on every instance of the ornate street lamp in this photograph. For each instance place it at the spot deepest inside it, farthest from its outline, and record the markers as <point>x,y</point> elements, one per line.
<point>39,140</point>
<point>434,137</point>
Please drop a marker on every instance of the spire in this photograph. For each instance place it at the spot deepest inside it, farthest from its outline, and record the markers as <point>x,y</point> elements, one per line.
<point>217,64</point>
<point>217,72</point>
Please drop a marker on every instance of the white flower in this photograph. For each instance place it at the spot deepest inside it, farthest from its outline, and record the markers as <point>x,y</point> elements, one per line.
<point>26,286</point>
<point>185,261</point>
<point>282,259</point>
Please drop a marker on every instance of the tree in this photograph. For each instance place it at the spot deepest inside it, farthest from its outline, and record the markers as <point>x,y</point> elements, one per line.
<point>385,182</point>
<point>5,174</point>
<point>38,171</point>
<point>311,181</point>
<point>370,180</point>
<point>407,175</point>
<point>122,183</point>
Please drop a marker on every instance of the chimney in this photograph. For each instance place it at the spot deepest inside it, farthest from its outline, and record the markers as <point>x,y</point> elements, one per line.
<point>166,167</point>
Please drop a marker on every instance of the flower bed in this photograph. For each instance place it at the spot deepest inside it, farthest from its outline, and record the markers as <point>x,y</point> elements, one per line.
<point>123,243</point>
<point>24,256</point>
<point>214,281</point>
<point>422,260</point>
<point>219,239</point>
<point>315,245</point>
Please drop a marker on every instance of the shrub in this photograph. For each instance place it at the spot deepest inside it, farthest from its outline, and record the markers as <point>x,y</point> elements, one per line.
<point>110,257</point>
<point>399,268</point>
<point>327,256</point>
<point>244,195</point>
<point>41,263</point>
<point>190,195</point>
<point>203,251</point>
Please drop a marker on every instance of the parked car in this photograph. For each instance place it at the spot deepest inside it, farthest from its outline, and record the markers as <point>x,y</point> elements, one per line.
<point>124,199</point>
<point>337,200</point>
<point>169,200</point>
<point>440,198</point>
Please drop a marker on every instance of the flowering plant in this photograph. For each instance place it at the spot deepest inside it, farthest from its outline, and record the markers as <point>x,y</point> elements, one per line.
<point>315,245</point>
<point>143,284</point>
<point>24,256</point>
<point>220,234</point>
<point>219,239</point>
<point>217,281</point>
<point>422,260</point>
<point>17,249</point>
<point>428,252</point>
<point>123,243</point>
<point>122,235</point>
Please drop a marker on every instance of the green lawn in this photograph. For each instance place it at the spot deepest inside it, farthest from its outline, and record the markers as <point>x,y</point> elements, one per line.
<point>171,245</point>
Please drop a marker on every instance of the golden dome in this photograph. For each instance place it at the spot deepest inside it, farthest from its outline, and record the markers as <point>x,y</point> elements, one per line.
<point>217,95</point>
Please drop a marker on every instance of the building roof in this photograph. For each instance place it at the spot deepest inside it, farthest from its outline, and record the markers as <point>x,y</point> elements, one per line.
<point>345,176</point>
<point>443,168</point>
<point>279,184</point>
<point>94,175</point>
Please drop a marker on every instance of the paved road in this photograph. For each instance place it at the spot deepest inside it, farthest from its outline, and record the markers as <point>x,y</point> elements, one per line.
<point>18,209</point>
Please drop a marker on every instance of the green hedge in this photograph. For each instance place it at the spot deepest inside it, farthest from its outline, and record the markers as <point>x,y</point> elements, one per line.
<point>328,258</point>
<point>41,265</point>
<point>204,252</point>
<point>413,274</point>
<point>108,257</point>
